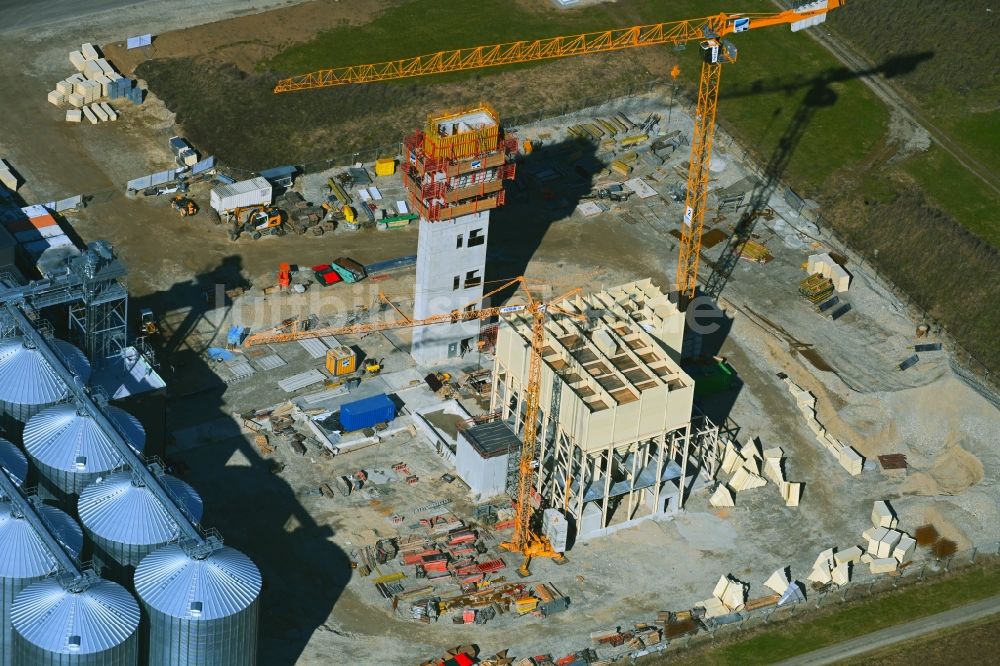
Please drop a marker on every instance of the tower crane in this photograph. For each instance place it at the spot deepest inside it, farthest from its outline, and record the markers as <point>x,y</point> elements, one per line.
<point>525,539</point>
<point>716,51</point>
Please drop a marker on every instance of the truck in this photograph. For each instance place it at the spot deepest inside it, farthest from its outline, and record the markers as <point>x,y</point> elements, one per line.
<point>243,194</point>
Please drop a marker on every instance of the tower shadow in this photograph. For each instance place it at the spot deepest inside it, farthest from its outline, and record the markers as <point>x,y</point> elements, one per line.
<point>549,183</point>
<point>256,510</point>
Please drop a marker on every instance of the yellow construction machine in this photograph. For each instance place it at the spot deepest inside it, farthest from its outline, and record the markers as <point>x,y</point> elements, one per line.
<point>257,221</point>
<point>186,207</point>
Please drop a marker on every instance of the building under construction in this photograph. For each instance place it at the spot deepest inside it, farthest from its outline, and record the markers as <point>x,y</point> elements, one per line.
<point>616,440</point>
<point>454,176</point>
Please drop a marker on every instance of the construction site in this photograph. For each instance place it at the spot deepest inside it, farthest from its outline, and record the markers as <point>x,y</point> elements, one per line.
<point>569,391</point>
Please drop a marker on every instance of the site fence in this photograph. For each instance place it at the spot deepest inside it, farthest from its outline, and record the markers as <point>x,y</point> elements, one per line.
<point>863,585</point>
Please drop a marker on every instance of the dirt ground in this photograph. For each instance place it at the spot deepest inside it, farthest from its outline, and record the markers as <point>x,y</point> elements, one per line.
<point>316,611</point>
<point>260,37</point>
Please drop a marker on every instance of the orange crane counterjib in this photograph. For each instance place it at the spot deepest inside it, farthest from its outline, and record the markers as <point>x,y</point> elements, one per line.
<point>618,39</point>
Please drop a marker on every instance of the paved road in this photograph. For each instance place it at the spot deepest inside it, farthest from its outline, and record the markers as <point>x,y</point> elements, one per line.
<point>898,634</point>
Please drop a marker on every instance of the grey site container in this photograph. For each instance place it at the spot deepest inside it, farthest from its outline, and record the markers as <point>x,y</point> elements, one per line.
<point>88,625</point>
<point>12,460</point>
<point>24,559</point>
<point>70,450</point>
<point>27,383</point>
<point>203,610</point>
<point>253,192</point>
<point>126,522</point>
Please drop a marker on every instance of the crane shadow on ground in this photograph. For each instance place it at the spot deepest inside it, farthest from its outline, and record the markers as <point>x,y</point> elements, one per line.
<point>820,93</point>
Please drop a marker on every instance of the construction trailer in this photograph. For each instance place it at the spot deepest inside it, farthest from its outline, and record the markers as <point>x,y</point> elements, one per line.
<point>616,440</point>
<point>454,174</point>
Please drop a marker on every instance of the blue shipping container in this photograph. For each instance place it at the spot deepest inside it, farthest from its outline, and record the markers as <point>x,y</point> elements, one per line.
<point>367,412</point>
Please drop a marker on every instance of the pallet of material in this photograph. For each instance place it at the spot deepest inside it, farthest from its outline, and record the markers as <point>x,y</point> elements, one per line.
<point>621,168</point>
<point>816,288</point>
<point>607,126</point>
<point>756,252</point>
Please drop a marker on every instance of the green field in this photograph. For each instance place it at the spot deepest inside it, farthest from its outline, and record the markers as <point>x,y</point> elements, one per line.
<point>426,26</point>
<point>959,192</point>
<point>855,619</point>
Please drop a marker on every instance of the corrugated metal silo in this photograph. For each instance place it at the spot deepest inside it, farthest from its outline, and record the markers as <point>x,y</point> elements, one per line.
<point>202,607</point>
<point>27,384</point>
<point>12,460</point>
<point>24,559</point>
<point>126,522</point>
<point>96,624</point>
<point>70,449</point>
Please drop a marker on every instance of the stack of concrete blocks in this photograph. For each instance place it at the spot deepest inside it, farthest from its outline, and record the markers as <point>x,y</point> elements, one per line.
<point>729,596</point>
<point>774,469</point>
<point>888,547</point>
<point>8,177</point>
<point>744,465</point>
<point>781,583</point>
<point>849,459</point>
<point>830,269</point>
<point>93,81</point>
<point>556,528</point>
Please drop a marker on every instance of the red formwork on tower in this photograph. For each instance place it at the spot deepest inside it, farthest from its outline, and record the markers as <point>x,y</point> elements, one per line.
<point>456,165</point>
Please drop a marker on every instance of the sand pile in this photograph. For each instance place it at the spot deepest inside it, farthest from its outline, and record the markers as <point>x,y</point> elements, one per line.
<point>954,471</point>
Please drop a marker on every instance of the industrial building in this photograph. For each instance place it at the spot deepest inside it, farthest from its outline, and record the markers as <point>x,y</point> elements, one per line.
<point>616,441</point>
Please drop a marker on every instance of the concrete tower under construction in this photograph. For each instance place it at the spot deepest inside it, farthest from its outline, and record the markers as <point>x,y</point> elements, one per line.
<point>454,175</point>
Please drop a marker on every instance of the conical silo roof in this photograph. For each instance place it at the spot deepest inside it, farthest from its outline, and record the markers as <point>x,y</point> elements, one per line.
<point>22,553</point>
<point>119,509</point>
<point>97,618</point>
<point>67,439</point>
<point>12,460</point>
<point>25,377</point>
<point>180,585</point>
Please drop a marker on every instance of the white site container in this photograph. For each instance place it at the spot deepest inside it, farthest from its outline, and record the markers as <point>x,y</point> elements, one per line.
<point>93,92</point>
<point>89,52</point>
<point>99,112</point>
<point>80,87</point>
<point>56,97</point>
<point>76,78</point>
<point>89,115</point>
<point>64,87</point>
<point>253,192</point>
<point>77,60</point>
<point>75,99</point>
<point>105,66</point>
<point>74,115</point>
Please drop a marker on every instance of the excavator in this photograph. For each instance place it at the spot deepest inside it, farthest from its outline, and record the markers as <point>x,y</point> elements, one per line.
<point>257,221</point>
<point>186,207</point>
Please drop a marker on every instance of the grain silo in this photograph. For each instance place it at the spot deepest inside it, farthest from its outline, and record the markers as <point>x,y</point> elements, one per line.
<point>24,559</point>
<point>202,605</point>
<point>126,522</point>
<point>83,622</point>
<point>70,449</point>
<point>27,383</point>
<point>12,460</point>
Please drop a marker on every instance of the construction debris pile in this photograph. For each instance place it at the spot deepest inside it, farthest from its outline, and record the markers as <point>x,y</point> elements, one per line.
<point>751,468</point>
<point>848,458</point>
<point>96,79</point>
